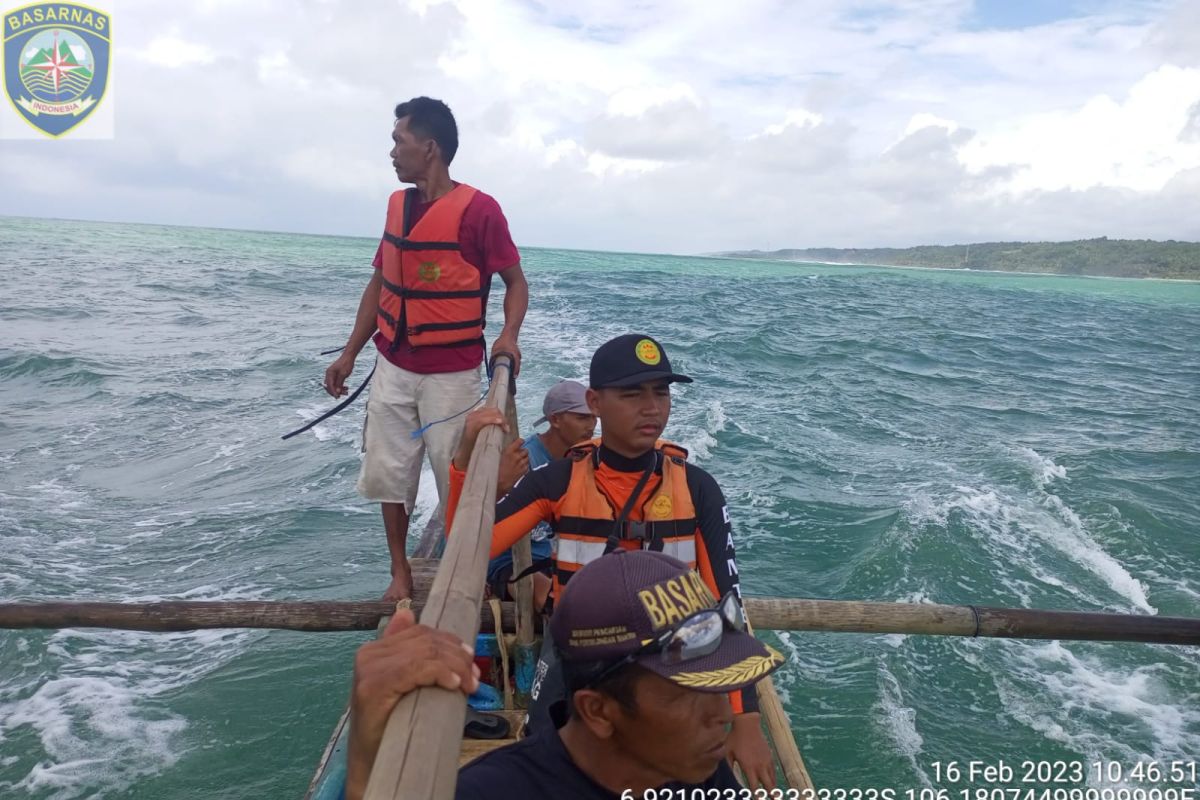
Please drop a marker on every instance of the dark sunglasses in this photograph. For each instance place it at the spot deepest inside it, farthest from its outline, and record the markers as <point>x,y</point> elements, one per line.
<point>695,636</point>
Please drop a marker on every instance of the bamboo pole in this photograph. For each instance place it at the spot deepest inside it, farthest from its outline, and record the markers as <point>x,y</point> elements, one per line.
<point>522,556</point>
<point>524,655</point>
<point>196,615</point>
<point>320,617</point>
<point>779,727</point>
<point>849,616</point>
<point>768,613</point>
<point>419,753</point>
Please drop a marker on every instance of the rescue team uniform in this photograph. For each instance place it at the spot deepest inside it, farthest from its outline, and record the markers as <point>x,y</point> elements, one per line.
<point>540,766</point>
<point>436,261</point>
<point>680,511</point>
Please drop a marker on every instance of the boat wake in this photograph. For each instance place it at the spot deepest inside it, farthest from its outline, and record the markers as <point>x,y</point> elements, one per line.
<point>1022,530</point>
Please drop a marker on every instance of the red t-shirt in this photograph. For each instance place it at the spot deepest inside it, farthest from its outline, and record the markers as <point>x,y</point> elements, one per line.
<point>487,246</point>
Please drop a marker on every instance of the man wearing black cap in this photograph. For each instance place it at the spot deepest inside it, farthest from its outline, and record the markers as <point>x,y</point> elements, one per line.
<point>628,491</point>
<point>650,658</point>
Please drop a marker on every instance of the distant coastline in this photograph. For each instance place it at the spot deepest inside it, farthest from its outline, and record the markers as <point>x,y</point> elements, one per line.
<point>1103,257</point>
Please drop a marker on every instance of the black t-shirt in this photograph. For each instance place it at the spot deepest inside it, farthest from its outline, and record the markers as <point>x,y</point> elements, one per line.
<point>540,766</point>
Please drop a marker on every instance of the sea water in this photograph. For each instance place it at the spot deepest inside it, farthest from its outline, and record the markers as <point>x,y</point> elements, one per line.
<point>881,434</point>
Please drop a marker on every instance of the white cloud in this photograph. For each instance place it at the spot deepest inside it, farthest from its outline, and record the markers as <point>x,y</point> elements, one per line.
<point>1138,142</point>
<point>795,118</point>
<point>923,120</point>
<point>670,125</point>
<point>175,53</point>
<point>670,130</point>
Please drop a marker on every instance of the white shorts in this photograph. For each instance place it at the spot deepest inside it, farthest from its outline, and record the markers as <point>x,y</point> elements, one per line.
<point>399,403</point>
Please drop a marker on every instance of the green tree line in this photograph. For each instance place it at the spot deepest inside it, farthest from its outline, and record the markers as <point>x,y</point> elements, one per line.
<point>1119,258</point>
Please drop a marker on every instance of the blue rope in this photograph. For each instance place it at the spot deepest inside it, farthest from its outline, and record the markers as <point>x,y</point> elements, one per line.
<point>421,430</point>
<point>491,370</point>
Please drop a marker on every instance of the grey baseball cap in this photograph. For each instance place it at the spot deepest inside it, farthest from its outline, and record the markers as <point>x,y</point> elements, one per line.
<point>564,396</point>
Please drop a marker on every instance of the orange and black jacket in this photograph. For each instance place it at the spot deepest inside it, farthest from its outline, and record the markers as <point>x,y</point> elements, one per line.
<point>581,497</point>
<point>430,293</point>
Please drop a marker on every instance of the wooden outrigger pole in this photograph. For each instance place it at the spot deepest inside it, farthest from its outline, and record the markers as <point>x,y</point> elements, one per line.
<point>767,613</point>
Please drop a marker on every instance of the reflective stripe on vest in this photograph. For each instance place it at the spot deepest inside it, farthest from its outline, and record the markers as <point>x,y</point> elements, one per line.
<point>683,549</point>
<point>578,551</point>
<point>428,290</point>
<point>585,517</point>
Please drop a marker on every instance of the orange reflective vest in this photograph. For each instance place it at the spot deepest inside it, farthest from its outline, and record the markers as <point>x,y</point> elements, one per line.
<point>429,291</point>
<point>585,518</point>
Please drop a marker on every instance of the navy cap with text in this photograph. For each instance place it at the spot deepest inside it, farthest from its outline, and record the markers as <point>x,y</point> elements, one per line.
<point>623,600</point>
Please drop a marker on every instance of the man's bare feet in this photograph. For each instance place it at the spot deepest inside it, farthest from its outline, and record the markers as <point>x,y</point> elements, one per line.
<point>400,587</point>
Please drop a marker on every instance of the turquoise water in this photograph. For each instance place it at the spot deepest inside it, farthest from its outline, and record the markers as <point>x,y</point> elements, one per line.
<point>880,434</point>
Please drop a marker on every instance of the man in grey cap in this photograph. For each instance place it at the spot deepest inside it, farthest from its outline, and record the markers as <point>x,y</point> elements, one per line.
<point>571,422</point>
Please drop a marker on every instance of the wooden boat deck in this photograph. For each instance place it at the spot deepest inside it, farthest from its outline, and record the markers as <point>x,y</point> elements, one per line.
<point>327,783</point>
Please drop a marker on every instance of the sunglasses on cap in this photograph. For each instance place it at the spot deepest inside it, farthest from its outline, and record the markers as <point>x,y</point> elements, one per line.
<point>695,636</point>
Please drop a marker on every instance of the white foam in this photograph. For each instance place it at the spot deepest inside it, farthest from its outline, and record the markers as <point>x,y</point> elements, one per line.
<point>92,732</point>
<point>899,722</point>
<point>56,495</point>
<point>188,566</point>
<point>1008,526</point>
<point>716,416</point>
<point>225,451</point>
<point>97,717</point>
<point>343,428</point>
<point>699,446</point>
<point>1096,702</point>
<point>918,596</point>
<point>1045,470</point>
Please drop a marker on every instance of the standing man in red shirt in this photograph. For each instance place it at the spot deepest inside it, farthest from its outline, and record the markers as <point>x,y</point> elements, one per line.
<point>425,308</point>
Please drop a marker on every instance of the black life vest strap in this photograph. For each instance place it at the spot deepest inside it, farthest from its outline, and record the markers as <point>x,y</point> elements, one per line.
<point>537,566</point>
<point>444,326</point>
<point>388,318</point>
<point>601,528</point>
<point>406,222</point>
<point>614,535</point>
<point>404,243</point>
<point>433,294</point>
<point>429,294</point>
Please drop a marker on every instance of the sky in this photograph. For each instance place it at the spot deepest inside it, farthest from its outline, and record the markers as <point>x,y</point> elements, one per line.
<point>680,126</point>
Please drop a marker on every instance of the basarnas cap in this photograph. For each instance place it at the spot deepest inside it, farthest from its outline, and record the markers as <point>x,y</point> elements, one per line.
<point>621,601</point>
<point>630,360</point>
<point>563,397</point>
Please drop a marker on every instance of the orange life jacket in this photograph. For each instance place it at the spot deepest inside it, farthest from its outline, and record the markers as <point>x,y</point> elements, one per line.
<point>585,518</point>
<point>429,291</point>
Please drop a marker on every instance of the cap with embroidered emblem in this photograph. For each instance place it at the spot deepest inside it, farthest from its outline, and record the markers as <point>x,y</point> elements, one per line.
<point>631,360</point>
<point>618,604</point>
